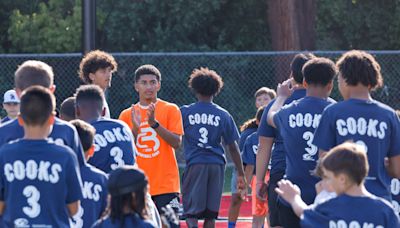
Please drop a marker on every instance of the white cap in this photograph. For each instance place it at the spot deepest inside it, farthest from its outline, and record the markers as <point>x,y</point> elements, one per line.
<point>10,97</point>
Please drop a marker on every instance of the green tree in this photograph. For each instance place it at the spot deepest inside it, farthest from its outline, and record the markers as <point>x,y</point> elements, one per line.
<point>157,25</point>
<point>366,24</point>
<point>54,27</point>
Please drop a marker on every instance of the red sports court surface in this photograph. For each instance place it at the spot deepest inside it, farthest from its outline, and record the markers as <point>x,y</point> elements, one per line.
<point>222,222</point>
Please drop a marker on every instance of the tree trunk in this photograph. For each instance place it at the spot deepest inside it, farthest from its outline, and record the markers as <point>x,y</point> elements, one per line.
<point>292,26</point>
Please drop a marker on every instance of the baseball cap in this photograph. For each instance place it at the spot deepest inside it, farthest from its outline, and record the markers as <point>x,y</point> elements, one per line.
<point>10,97</point>
<point>126,179</point>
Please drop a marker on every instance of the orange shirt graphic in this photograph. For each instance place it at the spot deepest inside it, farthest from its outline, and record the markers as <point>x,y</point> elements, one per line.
<point>154,155</point>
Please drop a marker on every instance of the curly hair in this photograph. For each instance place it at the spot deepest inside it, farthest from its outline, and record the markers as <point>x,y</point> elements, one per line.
<point>205,82</point>
<point>360,67</point>
<point>94,61</point>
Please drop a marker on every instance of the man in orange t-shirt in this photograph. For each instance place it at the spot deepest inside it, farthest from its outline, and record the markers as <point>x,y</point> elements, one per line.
<point>157,127</point>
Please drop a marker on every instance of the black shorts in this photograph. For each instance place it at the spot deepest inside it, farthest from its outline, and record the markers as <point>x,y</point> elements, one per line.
<point>287,217</point>
<point>273,199</point>
<point>162,200</point>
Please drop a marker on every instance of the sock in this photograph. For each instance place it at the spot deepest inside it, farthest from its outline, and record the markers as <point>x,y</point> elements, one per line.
<point>231,224</point>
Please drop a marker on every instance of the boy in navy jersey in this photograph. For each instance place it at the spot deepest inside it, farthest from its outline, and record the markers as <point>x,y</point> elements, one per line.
<point>67,109</point>
<point>363,120</point>
<point>205,124</point>
<point>271,144</point>
<point>39,180</point>
<point>345,168</point>
<point>296,123</point>
<point>94,189</point>
<point>263,96</point>
<point>32,73</point>
<point>249,153</point>
<point>114,143</point>
<point>395,187</point>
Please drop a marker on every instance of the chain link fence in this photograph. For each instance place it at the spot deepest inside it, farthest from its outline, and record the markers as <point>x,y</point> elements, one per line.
<point>243,73</point>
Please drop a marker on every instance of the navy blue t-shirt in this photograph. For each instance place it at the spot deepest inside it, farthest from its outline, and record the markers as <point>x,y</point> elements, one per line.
<point>94,193</point>
<point>114,145</point>
<point>63,133</point>
<point>243,136</point>
<point>278,161</point>
<point>38,179</point>
<point>250,149</point>
<point>205,125</point>
<point>296,123</point>
<point>132,220</point>
<point>351,211</point>
<point>5,119</point>
<point>368,123</point>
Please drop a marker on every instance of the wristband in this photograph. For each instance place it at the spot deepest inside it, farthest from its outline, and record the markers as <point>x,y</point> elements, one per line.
<point>155,126</point>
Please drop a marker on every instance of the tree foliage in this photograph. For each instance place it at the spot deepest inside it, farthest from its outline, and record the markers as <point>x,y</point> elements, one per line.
<point>209,25</point>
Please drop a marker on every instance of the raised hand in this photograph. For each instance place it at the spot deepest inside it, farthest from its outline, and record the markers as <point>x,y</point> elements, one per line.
<point>151,114</point>
<point>135,118</point>
<point>287,190</point>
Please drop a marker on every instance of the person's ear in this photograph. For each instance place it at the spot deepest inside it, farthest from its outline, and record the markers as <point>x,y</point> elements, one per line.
<point>18,91</point>
<point>90,152</point>
<point>136,87</point>
<point>52,88</point>
<point>20,120</point>
<point>51,119</point>
<point>158,86</point>
<point>77,112</point>
<point>91,76</point>
<point>305,84</point>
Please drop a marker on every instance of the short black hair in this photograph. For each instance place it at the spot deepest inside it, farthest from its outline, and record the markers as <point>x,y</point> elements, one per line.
<point>347,158</point>
<point>94,61</point>
<point>297,64</point>
<point>86,133</point>
<point>67,109</point>
<point>91,93</point>
<point>147,69</point>
<point>360,67</point>
<point>319,71</point>
<point>37,105</point>
<point>205,82</point>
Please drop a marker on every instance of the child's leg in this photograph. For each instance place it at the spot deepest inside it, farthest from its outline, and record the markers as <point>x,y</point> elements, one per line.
<point>192,222</point>
<point>236,201</point>
<point>214,193</point>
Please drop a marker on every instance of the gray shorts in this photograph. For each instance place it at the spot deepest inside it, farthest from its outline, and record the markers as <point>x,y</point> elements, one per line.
<point>202,186</point>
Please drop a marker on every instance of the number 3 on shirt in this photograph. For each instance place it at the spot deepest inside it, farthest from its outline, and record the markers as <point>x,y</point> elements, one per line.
<point>203,137</point>
<point>33,196</point>
<point>117,153</point>
<point>311,150</point>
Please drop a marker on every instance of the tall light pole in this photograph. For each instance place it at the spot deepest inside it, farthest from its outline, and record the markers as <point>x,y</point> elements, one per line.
<point>88,25</point>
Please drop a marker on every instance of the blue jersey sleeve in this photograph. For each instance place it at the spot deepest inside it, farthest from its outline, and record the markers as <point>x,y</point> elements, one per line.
<point>264,129</point>
<point>74,181</point>
<point>231,133</point>
<point>249,152</point>
<point>394,148</point>
<point>312,218</point>
<point>325,134</point>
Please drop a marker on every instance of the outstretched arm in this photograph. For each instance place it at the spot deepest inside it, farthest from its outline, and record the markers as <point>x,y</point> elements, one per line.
<point>291,193</point>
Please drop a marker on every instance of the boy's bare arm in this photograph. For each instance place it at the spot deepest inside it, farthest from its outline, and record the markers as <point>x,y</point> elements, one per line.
<point>73,208</point>
<point>393,166</point>
<point>291,193</point>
